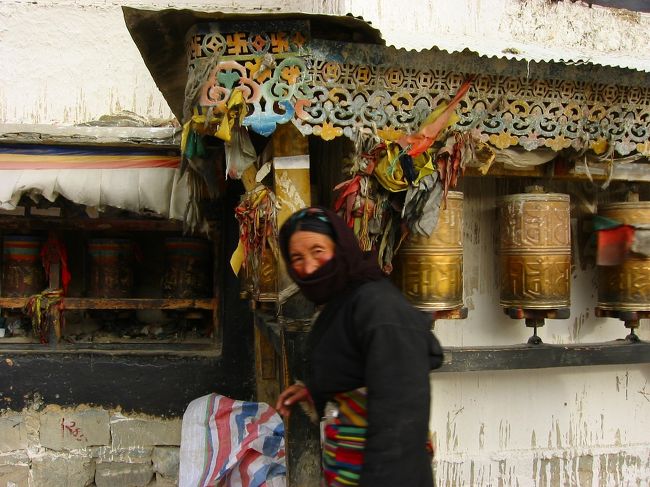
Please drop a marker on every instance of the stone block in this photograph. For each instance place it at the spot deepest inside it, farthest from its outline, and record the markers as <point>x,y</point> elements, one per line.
<point>60,470</point>
<point>164,482</point>
<point>14,476</point>
<point>72,429</point>
<point>106,454</point>
<point>18,457</point>
<point>123,474</point>
<point>137,432</point>
<point>166,461</point>
<point>13,434</point>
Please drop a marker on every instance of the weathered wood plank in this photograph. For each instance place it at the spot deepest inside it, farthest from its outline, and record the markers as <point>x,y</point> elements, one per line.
<point>619,352</point>
<point>131,303</point>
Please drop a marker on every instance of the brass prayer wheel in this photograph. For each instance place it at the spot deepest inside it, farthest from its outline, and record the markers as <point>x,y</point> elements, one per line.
<point>626,287</point>
<point>429,270</point>
<point>535,250</point>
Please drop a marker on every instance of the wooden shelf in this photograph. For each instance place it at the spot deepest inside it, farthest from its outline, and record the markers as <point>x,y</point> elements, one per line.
<point>107,303</point>
<point>8,222</point>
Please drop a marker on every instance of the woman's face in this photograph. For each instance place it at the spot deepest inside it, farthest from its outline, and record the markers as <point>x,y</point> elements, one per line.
<point>308,251</point>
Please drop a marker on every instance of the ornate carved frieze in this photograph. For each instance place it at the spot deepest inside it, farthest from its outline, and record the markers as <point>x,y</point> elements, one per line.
<point>332,89</point>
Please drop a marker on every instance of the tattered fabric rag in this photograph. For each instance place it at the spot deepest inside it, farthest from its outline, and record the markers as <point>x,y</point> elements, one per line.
<point>614,244</point>
<point>422,206</point>
<point>641,243</point>
<point>229,443</point>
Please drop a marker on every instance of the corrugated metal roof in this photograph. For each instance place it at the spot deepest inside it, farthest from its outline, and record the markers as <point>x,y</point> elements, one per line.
<point>508,49</point>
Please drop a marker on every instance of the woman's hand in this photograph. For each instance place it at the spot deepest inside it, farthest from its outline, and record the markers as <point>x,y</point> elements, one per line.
<point>290,396</point>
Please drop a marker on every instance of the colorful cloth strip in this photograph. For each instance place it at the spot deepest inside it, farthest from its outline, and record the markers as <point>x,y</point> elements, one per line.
<point>345,439</point>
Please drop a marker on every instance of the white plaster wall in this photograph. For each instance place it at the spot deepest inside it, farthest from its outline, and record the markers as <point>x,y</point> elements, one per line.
<point>67,62</point>
<point>582,426</point>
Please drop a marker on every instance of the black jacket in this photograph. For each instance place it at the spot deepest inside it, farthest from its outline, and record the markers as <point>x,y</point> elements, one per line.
<point>371,336</point>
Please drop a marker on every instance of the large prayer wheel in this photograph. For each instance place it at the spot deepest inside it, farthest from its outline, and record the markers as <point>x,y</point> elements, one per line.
<point>535,250</point>
<point>429,270</point>
<point>626,287</point>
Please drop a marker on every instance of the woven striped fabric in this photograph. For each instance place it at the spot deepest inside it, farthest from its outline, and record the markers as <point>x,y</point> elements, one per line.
<point>20,157</point>
<point>344,440</point>
<point>228,443</point>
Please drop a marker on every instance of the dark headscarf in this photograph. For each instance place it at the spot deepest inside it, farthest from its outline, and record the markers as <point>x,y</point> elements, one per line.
<point>350,266</point>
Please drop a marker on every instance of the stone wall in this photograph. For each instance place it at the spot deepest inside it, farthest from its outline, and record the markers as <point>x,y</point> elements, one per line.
<point>50,446</point>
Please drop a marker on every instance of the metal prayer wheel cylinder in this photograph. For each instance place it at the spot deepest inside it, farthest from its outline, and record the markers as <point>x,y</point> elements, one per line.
<point>187,268</point>
<point>429,270</point>
<point>111,268</point>
<point>625,287</point>
<point>22,269</point>
<point>535,250</point>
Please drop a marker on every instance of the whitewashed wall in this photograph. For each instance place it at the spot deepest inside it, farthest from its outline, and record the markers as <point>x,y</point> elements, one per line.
<point>67,62</point>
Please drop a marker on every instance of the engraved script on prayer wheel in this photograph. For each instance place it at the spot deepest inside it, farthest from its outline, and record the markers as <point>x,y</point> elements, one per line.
<point>626,287</point>
<point>535,250</point>
<point>429,270</point>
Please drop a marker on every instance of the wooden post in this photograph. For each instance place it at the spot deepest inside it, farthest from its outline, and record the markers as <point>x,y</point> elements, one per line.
<point>54,260</point>
<point>292,187</point>
<point>291,181</point>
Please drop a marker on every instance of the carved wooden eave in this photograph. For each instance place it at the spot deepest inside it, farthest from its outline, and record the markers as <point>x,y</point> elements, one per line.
<point>331,87</point>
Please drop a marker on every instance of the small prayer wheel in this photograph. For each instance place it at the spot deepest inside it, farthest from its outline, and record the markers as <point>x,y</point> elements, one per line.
<point>111,268</point>
<point>22,270</point>
<point>187,268</point>
<point>429,270</point>
<point>626,287</point>
<point>535,250</point>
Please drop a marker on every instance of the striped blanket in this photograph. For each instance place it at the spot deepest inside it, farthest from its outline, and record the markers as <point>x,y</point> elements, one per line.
<point>228,443</point>
<point>345,439</point>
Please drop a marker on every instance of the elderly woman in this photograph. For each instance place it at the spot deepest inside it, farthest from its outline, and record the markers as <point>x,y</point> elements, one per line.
<point>369,352</point>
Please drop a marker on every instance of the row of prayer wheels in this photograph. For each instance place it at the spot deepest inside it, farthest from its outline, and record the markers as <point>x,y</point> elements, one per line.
<point>186,272</point>
<point>534,257</point>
